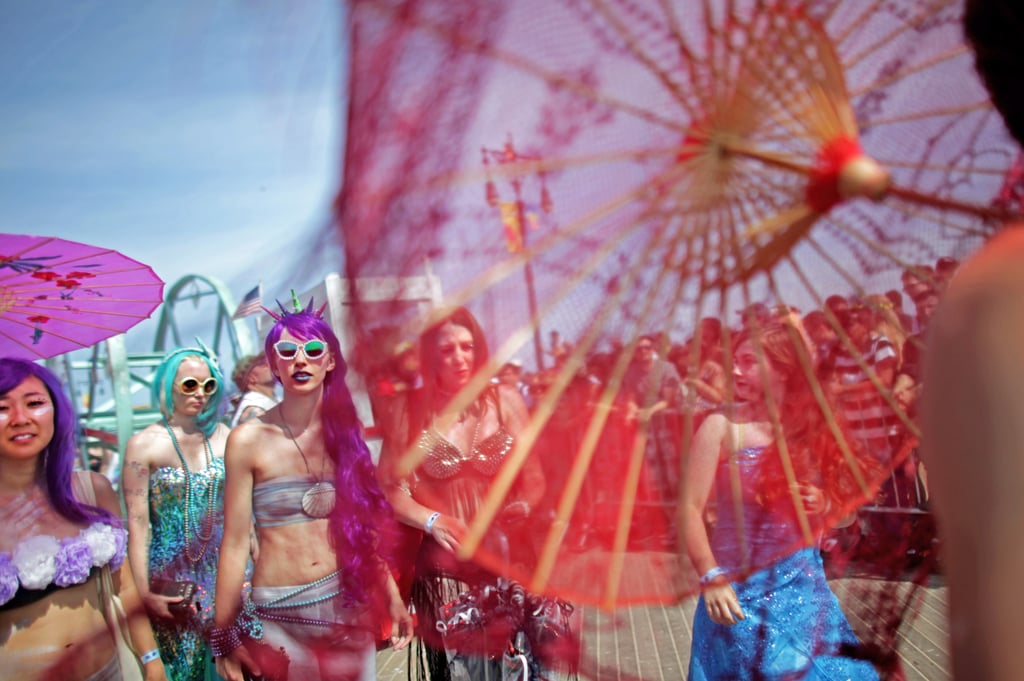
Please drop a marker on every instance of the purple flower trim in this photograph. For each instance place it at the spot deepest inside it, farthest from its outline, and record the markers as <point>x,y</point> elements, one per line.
<point>8,578</point>
<point>121,548</point>
<point>74,560</point>
<point>40,559</point>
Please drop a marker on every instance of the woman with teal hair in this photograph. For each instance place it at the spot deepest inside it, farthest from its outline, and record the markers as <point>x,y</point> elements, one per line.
<point>173,482</point>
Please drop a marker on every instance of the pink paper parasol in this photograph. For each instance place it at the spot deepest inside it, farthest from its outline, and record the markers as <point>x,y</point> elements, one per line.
<point>57,295</point>
<point>612,169</point>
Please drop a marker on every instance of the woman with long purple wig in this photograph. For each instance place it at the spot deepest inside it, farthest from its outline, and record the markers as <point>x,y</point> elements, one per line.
<point>58,529</point>
<point>304,474</point>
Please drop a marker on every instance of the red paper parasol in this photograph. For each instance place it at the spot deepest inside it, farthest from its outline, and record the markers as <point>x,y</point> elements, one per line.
<point>609,169</point>
<point>57,295</point>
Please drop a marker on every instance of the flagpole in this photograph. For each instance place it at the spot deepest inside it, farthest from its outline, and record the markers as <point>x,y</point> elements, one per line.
<point>506,155</point>
<point>531,292</point>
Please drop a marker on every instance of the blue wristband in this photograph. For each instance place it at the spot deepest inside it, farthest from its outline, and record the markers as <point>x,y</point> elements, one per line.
<point>149,656</point>
<point>428,526</point>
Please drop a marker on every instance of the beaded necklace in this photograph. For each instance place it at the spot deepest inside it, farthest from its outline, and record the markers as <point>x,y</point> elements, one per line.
<point>203,531</point>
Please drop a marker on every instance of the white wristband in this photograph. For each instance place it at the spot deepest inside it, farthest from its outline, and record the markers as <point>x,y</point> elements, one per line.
<point>149,656</point>
<point>711,575</point>
<point>428,526</point>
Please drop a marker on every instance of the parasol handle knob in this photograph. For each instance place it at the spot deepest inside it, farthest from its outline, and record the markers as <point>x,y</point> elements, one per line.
<point>863,176</point>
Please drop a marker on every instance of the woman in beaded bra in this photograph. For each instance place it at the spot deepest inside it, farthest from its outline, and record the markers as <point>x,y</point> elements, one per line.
<point>781,476</point>
<point>60,535</point>
<point>173,482</point>
<point>461,453</point>
<point>321,586</point>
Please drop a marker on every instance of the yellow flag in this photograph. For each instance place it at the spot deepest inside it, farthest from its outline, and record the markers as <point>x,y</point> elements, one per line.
<point>513,228</point>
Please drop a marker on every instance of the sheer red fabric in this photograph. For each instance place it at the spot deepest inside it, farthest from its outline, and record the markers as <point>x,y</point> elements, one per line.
<point>615,170</point>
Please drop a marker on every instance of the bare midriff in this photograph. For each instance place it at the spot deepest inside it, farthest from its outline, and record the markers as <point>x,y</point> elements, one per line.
<point>67,628</point>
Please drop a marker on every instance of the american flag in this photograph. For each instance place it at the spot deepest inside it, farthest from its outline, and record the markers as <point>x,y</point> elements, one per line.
<point>251,303</point>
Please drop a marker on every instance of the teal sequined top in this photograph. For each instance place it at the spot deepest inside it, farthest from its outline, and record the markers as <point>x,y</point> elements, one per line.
<point>182,643</point>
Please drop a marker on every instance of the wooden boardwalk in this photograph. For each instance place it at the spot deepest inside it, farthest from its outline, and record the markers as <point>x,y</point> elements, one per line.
<point>653,642</point>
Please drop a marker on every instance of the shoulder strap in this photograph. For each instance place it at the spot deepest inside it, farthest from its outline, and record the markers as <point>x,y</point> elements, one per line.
<point>497,406</point>
<point>81,486</point>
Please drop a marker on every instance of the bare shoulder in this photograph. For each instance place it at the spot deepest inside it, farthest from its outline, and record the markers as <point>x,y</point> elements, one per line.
<point>151,432</point>
<point>247,441</point>
<point>220,437</point>
<point>142,445</point>
<point>988,284</point>
<point>512,406</point>
<point>106,497</point>
<point>713,428</point>
<point>509,397</point>
<point>247,433</point>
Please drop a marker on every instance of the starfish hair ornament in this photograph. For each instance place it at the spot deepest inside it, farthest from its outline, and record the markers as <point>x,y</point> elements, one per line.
<point>200,348</point>
<point>210,354</point>
<point>296,308</point>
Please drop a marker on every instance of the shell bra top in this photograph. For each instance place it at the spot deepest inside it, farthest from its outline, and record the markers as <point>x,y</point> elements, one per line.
<point>278,501</point>
<point>444,460</point>
<point>463,476</point>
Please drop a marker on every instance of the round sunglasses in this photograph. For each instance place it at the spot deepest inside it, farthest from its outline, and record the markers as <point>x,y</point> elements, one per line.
<point>311,349</point>
<point>190,386</point>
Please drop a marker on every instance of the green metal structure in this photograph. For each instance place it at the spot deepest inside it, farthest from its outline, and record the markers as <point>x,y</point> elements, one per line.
<point>111,388</point>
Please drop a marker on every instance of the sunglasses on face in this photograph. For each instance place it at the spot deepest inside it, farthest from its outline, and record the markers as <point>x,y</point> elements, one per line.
<point>190,386</point>
<point>311,349</point>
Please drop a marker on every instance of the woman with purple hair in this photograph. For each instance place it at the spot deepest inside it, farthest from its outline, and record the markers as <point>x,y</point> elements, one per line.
<point>304,473</point>
<point>58,530</point>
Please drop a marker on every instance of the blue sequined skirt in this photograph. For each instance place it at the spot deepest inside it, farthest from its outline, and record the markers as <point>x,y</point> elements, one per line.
<point>794,629</point>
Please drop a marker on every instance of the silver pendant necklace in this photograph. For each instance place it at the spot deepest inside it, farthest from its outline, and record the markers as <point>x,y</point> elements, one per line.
<point>318,501</point>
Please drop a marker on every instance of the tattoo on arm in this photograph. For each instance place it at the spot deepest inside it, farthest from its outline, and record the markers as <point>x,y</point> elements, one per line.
<point>251,414</point>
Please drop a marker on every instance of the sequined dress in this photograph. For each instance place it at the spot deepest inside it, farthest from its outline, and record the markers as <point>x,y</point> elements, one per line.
<point>794,627</point>
<point>183,645</point>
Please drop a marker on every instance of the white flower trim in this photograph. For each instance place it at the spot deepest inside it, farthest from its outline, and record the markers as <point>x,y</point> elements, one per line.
<point>101,541</point>
<point>35,560</point>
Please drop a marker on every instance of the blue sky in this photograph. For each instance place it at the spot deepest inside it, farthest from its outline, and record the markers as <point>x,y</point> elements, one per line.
<point>197,137</point>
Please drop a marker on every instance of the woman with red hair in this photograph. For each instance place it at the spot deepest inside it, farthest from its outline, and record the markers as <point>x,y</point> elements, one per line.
<point>780,473</point>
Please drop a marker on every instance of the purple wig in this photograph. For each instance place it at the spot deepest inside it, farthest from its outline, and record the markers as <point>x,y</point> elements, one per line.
<point>57,460</point>
<point>361,523</point>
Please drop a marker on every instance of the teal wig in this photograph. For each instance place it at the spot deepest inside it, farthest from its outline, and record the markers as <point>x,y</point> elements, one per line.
<point>163,385</point>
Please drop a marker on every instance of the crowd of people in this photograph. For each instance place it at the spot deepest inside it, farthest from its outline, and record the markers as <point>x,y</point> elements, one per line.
<point>301,587</point>
<point>274,546</point>
<point>865,350</point>
<point>729,402</point>
<point>236,560</point>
